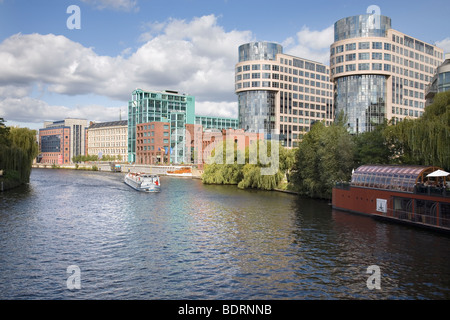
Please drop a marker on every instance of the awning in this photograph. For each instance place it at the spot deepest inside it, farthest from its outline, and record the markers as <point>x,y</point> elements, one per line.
<point>438,173</point>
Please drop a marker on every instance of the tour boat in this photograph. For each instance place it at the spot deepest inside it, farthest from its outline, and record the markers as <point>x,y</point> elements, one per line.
<point>183,172</point>
<point>143,182</point>
<point>416,195</point>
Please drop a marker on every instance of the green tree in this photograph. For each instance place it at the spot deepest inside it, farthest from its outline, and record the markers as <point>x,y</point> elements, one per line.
<point>324,157</point>
<point>4,133</point>
<point>18,149</point>
<point>372,147</point>
<point>426,140</point>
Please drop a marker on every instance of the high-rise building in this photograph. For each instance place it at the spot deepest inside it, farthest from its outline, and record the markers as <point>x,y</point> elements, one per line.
<point>60,141</point>
<point>281,94</point>
<point>167,106</point>
<point>147,109</point>
<point>440,81</point>
<point>379,73</point>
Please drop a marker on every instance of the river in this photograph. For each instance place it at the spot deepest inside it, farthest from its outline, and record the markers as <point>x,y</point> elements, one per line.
<point>193,241</point>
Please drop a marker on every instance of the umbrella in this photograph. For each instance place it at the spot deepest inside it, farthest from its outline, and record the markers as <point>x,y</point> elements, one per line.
<point>438,173</point>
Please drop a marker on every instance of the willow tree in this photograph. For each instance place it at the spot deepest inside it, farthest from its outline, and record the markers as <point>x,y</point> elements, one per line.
<point>220,171</point>
<point>17,153</point>
<point>426,140</point>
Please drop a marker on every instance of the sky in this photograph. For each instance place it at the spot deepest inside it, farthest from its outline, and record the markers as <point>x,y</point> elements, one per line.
<point>50,70</point>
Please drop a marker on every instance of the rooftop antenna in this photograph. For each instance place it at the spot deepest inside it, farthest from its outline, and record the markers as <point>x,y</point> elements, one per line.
<point>120,114</point>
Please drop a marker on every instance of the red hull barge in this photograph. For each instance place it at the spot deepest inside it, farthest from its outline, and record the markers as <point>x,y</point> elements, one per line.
<point>406,194</point>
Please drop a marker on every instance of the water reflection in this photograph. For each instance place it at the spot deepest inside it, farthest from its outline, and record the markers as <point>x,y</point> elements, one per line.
<point>193,241</point>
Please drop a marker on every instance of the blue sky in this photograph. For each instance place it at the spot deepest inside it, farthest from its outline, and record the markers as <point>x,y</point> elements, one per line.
<point>48,72</point>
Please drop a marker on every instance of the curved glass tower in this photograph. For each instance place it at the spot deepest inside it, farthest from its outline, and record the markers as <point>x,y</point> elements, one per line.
<point>280,94</point>
<point>259,51</point>
<point>365,25</point>
<point>379,73</point>
<point>257,107</point>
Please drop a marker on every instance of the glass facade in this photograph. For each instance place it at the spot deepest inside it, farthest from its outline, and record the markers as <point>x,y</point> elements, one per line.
<point>281,94</point>
<point>363,100</point>
<point>147,107</point>
<point>257,111</point>
<point>444,82</point>
<point>51,143</point>
<point>365,25</point>
<point>259,51</point>
<point>208,122</point>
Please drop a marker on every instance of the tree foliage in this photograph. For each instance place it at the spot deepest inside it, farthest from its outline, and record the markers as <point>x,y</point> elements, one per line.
<point>372,147</point>
<point>18,149</point>
<point>324,157</point>
<point>426,140</point>
<point>250,173</point>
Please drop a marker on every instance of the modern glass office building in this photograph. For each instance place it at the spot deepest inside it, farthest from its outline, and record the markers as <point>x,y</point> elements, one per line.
<point>167,106</point>
<point>379,73</point>
<point>280,94</point>
<point>440,82</point>
<point>211,122</point>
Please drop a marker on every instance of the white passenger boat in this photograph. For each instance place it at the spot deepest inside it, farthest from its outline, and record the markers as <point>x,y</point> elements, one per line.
<point>143,182</point>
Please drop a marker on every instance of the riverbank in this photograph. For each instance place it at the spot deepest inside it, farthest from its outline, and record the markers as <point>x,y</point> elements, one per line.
<point>160,170</point>
<point>8,184</point>
<point>124,167</point>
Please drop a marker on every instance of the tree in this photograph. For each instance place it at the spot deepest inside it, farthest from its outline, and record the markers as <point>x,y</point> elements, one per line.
<point>324,157</point>
<point>18,148</point>
<point>426,140</point>
<point>4,133</point>
<point>372,147</point>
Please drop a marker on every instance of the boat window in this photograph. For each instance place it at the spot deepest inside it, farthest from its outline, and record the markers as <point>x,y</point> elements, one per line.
<point>401,178</point>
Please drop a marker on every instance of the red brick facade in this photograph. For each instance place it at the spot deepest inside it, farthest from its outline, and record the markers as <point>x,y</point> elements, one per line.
<point>61,156</point>
<point>153,143</point>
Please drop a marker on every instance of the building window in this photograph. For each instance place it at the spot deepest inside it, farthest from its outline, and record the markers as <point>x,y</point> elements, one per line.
<point>364,45</point>
<point>350,57</point>
<point>364,56</point>
<point>377,66</point>
<point>350,46</point>
<point>364,66</point>
<point>377,45</point>
<point>377,56</point>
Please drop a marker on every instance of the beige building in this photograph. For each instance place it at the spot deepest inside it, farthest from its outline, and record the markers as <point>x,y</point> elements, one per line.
<point>108,139</point>
<point>378,72</point>
<point>281,94</point>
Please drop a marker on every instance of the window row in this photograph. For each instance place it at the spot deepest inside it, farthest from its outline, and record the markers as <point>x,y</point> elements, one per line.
<point>380,56</point>
<point>388,47</point>
<point>380,67</point>
<point>150,148</point>
<point>276,68</point>
<point>406,112</point>
<point>147,141</point>
<point>319,115</point>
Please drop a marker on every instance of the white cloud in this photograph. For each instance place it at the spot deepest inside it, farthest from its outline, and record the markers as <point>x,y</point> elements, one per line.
<point>217,109</point>
<point>444,44</point>
<point>311,44</point>
<point>31,110</point>
<point>195,57</point>
<point>120,5</point>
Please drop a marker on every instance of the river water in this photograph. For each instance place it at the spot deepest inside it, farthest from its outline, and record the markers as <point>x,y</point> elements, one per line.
<point>193,241</point>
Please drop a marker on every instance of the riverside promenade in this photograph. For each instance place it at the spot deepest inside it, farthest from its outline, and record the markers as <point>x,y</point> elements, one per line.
<point>125,168</point>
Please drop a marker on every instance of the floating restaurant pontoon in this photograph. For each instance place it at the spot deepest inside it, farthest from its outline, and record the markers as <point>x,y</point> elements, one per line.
<point>417,195</point>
